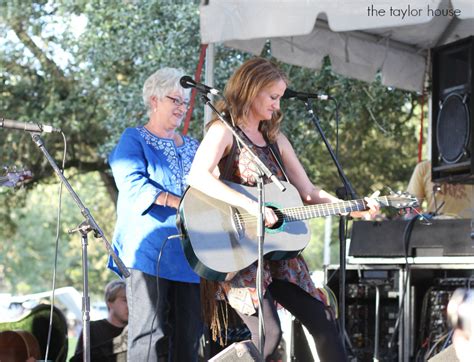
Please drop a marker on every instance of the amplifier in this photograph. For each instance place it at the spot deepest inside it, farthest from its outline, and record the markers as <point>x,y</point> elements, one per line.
<point>444,237</point>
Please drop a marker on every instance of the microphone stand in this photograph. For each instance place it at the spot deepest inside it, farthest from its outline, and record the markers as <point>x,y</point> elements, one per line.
<point>342,222</point>
<point>89,224</point>
<point>262,170</point>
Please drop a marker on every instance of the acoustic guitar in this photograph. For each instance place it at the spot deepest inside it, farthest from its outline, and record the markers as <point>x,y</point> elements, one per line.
<point>18,346</point>
<point>36,323</point>
<point>219,238</point>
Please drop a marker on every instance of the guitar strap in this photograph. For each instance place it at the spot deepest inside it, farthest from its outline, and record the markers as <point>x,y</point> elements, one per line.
<point>276,153</point>
<point>226,175</point>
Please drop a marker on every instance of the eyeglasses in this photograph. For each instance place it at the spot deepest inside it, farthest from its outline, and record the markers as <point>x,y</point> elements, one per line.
<point>179,102</point>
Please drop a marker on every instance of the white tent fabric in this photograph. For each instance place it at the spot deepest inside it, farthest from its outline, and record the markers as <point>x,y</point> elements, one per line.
<point>361,37</point>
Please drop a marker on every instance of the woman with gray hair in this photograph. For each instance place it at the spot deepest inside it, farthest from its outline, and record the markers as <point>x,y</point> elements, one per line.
<point>150,165</point>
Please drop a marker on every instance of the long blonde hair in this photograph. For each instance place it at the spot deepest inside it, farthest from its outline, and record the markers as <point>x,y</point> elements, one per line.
<point>242,89</point>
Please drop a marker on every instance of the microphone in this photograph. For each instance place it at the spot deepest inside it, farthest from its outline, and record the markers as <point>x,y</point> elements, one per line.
<point>25,126</point>
<point>188,82</point>
<point>289,94</point>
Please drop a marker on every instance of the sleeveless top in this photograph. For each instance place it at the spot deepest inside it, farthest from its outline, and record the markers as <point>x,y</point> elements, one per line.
<point>240,291</point>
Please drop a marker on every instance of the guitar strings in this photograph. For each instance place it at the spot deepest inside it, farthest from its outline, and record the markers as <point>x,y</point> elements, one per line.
<point>309,211</point>
<point>326,209</point>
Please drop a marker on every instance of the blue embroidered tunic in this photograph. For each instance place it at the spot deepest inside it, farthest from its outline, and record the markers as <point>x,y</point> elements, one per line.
<point>143,166</point>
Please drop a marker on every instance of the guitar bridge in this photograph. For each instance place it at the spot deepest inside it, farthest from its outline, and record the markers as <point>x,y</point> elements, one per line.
<point>237,222</point>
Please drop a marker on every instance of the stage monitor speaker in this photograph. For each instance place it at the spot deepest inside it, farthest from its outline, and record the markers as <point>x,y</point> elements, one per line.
<point>238,352</point>
<point>452,145</point>
<point>450,237</point>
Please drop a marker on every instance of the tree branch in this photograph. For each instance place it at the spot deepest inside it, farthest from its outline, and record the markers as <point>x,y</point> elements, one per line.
<point>412,110</point>
<point>48,65</point>
<point>109,183</point>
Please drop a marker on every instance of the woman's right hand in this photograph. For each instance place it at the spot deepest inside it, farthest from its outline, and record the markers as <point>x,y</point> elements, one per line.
<point>270,216</point>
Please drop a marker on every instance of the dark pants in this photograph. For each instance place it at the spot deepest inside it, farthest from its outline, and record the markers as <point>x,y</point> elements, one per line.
<point>175,309</point>
<point>308,310</point>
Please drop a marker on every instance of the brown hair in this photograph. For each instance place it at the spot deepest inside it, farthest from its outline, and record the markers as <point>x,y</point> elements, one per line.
<point>112,289</point>
<point>242,88</point>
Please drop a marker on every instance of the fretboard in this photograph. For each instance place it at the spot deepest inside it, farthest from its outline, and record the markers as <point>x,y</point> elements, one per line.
<point>321,210</point>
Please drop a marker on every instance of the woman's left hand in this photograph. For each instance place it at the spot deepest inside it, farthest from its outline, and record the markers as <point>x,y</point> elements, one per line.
<point>373,209</point>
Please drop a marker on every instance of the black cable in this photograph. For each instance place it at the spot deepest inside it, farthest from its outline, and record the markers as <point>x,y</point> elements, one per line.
<point>406,242</point>
<point>424,314</point>
<point>336,112</point>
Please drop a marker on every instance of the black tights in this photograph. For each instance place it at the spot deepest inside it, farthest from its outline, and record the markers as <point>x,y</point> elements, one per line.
<point>308,310</point>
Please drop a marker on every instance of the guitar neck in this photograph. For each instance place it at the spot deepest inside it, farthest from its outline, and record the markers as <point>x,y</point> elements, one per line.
<point>322,210</point>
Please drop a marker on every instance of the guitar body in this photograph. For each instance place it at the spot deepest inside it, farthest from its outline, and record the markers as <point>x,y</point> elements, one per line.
<point>36,323</point>
<point>220,238</point>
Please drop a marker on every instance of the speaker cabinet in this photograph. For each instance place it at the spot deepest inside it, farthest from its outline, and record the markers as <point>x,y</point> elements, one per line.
<point>452,144</point>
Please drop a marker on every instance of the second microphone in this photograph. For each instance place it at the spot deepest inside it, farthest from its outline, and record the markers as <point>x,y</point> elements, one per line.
<point>188,82</point>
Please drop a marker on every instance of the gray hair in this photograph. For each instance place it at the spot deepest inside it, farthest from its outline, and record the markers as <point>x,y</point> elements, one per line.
<point>112,289</point>
<point>164,81</point>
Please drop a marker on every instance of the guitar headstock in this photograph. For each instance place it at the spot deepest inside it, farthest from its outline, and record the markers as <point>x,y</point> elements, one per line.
<point>398,200</point>
<point>12,177</point>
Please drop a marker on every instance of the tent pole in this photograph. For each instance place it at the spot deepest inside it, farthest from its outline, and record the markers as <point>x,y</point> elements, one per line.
<point>209,78</point>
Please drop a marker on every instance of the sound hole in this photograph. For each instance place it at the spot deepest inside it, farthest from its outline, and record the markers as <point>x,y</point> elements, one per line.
<point>280,221</point>
<point>452,131</point>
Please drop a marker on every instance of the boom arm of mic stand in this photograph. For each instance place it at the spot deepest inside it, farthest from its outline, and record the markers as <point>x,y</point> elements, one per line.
<point>342,241</point>
<point>98,233</point>
<point>254,157</point>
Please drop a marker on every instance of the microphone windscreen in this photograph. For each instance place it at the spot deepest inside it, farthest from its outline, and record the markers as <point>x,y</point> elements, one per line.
<point>289,94</point>
<point>187,82</point>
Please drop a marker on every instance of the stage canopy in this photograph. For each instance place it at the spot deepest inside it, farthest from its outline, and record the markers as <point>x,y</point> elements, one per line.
<point>361,37</point>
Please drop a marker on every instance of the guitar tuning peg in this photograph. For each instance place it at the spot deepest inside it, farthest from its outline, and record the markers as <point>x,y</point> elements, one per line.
<point>375,194</point>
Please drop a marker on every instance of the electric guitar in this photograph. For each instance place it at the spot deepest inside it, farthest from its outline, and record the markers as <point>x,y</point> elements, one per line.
<point>219,238</point>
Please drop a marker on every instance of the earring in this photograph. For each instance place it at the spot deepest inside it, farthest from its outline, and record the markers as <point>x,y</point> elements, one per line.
<point>154,110</point>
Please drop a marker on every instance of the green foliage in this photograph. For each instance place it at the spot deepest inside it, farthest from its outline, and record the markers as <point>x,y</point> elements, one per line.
<point>88,82</point>
<point>313,253</point>
<point>89,85</point>
<point>27,256</point>
<point>377,143</point>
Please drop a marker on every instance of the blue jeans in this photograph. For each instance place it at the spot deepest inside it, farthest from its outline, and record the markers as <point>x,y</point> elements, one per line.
<point>177,325</point>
